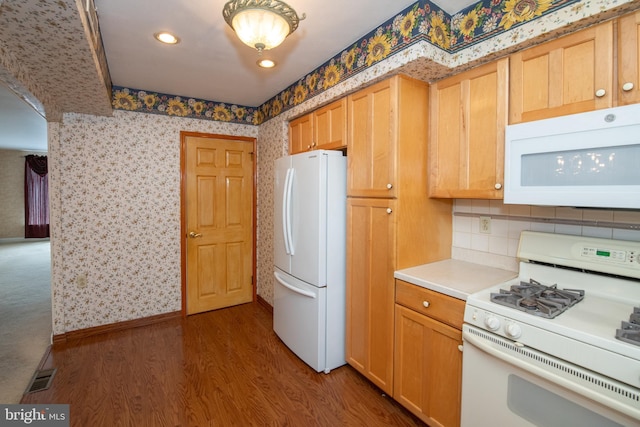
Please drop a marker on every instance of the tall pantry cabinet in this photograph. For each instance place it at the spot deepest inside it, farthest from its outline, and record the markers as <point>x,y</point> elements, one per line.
<point>391,222</point>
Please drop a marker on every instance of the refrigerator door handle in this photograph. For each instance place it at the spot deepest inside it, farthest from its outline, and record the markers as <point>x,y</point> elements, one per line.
<point>285,211</point>
<point>292,288</point>
<point>288,237</point>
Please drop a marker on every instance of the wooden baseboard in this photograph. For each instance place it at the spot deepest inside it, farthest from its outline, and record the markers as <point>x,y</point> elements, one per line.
<point>264,303</point>
<point>112,327</point>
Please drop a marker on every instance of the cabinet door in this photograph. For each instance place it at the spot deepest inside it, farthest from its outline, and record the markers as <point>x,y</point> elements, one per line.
<point>629,59</point>
<point>468,118</point>
<point>301,134</point>
<point>370,289</point>
<point>569,75</point>
<point>330,126</point>
<point>428,368</point>
<point>371,146</point>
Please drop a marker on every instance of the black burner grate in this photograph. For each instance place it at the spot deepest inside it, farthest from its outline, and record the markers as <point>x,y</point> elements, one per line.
<point>630,331</point>
<point>538,299</point>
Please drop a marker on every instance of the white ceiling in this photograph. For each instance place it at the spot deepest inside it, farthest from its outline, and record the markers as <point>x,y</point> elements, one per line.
<point>21,127</point>
<point>210,62</point>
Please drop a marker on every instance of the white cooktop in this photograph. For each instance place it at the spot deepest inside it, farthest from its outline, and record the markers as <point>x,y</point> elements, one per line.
<point>584,334</point>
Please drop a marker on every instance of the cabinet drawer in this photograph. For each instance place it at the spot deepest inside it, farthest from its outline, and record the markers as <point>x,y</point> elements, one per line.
<point>441,307</point>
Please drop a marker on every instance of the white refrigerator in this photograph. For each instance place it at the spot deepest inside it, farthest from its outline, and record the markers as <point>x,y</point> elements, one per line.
<point>309,256</point>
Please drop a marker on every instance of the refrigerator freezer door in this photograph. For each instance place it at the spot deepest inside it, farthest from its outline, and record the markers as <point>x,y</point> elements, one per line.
<point>299,318</point>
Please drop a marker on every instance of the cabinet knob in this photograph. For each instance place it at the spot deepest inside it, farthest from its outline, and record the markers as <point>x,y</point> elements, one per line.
<point>498,186</point>
<point>627,86</point>
<point>389,186</point>
<point>426,304</point>
<point>389,210</point>
<point>600,93</point>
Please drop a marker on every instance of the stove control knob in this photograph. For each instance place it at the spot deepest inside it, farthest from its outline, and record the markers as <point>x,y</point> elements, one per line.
<point>513,331</point>
<point>493,323</point>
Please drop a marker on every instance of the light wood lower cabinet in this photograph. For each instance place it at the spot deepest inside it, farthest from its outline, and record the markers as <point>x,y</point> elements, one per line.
<point>428,361</point>
<point>371,237</point>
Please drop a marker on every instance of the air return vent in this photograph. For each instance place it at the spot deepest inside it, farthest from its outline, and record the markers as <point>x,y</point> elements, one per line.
<point>41,380</point>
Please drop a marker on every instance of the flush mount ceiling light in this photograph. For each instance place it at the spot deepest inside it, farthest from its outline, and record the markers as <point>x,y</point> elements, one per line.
<point>266,63</point>
<point>261,24</point>
<point>166,37</point>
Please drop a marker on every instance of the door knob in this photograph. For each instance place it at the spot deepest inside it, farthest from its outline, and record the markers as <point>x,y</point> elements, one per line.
<point>194,235</point>
<point>627,86</point>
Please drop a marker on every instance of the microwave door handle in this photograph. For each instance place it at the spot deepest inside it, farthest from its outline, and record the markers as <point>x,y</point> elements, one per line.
<point>539,372</point>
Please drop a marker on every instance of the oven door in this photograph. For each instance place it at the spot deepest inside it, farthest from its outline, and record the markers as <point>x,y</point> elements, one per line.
<point>506,384</point>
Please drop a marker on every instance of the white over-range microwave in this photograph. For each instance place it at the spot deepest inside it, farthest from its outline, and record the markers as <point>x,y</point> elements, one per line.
<point>583,160</point>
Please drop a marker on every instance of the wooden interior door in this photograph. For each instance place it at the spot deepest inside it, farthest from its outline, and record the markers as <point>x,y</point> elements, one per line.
<point>218,221</point>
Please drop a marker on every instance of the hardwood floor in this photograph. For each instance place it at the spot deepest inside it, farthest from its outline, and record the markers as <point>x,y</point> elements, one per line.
<point>221,368</point>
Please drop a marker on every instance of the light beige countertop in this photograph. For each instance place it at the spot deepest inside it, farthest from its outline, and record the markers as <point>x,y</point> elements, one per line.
<point>455,278</point>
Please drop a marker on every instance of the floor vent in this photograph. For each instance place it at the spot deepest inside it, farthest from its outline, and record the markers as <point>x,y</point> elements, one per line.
<point>41,380</point>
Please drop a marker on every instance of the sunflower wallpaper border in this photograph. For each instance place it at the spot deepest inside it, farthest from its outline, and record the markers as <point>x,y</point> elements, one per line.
<point>424,21</point>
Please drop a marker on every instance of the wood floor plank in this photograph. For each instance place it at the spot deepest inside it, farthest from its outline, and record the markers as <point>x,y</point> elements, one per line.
<point>222,368</point>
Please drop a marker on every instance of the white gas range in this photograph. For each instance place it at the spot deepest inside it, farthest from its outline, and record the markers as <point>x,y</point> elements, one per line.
<point>560,344</point>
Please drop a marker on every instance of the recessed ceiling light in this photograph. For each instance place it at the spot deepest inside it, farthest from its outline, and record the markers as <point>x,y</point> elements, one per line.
<point>266,63</point>
<point>166,37</point>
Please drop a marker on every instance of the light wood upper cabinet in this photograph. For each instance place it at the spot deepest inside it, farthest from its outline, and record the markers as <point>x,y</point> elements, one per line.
<point>427,360</point>
<point>372,140</point>
<point>322,129</point>
<point>467,122</point>
<point>569,75</point>
<point>330,126</point>
<point>629,59</point>
<point>301,134</point>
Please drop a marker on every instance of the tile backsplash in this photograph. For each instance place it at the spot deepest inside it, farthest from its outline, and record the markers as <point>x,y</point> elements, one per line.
<point>498,245</point>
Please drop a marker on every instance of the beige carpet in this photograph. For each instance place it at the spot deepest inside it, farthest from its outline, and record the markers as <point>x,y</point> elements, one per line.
<point>25,313</point>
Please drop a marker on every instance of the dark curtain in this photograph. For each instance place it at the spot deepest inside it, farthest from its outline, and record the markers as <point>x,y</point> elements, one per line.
<point>36,197</point>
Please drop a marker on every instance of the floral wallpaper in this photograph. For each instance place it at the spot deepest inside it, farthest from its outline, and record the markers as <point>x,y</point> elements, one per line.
<point>116,226</point>
<point>423,21</point>
<point>33,33</point>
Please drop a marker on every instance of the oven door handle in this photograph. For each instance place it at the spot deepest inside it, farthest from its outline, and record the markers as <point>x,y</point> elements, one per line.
<point>481,344</point>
